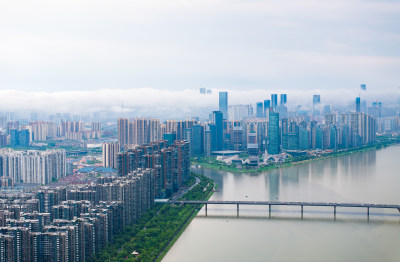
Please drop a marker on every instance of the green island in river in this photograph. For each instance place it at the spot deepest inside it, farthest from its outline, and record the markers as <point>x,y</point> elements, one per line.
<point>158,229</point>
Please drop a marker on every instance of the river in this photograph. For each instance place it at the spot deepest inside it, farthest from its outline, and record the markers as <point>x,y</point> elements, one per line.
<point>366,177</point>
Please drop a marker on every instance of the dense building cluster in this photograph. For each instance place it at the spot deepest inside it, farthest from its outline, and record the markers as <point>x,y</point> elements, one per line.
<point>17,135</point>
<point>72,224</point>
<point>170,163</point>
<point>32,166</point>
<point>275,134</point>
<point>140,131</point>
<point>273,129</point>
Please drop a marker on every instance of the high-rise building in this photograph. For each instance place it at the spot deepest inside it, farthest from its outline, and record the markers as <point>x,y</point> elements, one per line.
<point>140,136</point>
<point>23,137</point>
<point>169,137</point>
<point>267,106</point>
<point>330,119</point>
<point>33,166</point>
<point>110,153</point>
<point>327,109</point>
<point>19,138</point>
<point>197,145</point>
<point>208,142</point>
<point>363,87</point>
<point>274,100</point>
<point>240,112</point>
<point>3,139</point>
<point>274,140</point>
<point>223,104</point>
<point>358,104</point>
<point>259,110</point>
<point>303,138</point>
<point>122,132</point>
<point>14,137</point>
<point>283,99</point>
<point>219,124</point>
<point>316,99</point>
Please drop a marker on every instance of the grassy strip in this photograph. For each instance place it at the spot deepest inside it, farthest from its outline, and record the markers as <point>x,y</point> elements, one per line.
<point>220,166</point>
<point>156,230</point>
<point>182,229</point>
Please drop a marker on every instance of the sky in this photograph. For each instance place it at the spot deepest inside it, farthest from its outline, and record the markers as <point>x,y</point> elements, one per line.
<point>91,55</point>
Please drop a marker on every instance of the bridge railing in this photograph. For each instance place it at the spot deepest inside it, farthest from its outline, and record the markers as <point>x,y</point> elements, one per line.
<point>281,203</point>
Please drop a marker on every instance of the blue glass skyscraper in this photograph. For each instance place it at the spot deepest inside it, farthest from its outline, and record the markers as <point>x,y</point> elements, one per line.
<point>274,100</point>
<point>283,99</point>
<point>197,140</point>
<point>358,104</point>
<point>274,140</point>
<point>260,112</point>
<point>219,124</point>
<point>267,105</point>
<point>223,104</point>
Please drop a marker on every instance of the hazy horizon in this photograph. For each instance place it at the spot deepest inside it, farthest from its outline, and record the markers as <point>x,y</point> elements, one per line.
<point>157,102</point>
<point>48,46</point>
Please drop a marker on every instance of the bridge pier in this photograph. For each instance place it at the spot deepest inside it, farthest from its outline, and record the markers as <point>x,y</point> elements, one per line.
<point>270,211</point>
<point>368,212</point>
<point>301,211</point>
<point>334,212</point>
<point>206,209</point>
<point>237,206</point>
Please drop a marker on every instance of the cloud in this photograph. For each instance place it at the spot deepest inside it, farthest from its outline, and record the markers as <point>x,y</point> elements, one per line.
<point>233,44</point>
<point>165,104</point>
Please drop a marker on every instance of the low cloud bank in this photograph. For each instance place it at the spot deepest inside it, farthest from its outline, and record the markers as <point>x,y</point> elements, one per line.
<point>147,101</point>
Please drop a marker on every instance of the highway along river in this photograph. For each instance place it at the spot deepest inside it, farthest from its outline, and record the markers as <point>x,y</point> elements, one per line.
<point>366,177</point>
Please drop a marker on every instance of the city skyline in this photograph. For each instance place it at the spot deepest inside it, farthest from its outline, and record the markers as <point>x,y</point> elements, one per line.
<point>125,125</point>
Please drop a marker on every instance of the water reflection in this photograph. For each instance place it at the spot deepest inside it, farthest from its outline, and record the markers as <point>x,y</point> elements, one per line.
<point>272,180</point>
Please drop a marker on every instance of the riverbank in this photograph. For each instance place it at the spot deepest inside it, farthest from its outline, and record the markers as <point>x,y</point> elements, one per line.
<point>158,229</point>
<point>184,226</point>
<point>220,166</point>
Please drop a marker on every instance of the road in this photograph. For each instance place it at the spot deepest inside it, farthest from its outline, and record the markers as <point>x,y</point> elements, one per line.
<point>185,190</point>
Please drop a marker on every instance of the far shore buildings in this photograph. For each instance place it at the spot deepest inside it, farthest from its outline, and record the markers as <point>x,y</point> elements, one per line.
<point>32,166</point>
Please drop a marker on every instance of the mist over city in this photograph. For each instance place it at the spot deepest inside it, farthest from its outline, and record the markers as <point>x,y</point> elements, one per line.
<point>175,104</point>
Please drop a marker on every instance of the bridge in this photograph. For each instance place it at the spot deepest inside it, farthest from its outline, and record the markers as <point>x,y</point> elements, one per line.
<point>279,203</point>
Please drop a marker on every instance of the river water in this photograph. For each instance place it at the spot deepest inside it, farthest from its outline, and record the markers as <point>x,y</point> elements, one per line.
<point>366,177</point>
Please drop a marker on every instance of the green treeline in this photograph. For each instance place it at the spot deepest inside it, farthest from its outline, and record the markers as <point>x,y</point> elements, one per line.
<point>158,228</point>
<point>212,163</point>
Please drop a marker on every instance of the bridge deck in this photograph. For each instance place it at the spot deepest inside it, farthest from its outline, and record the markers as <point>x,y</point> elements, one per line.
<point>279,203</point>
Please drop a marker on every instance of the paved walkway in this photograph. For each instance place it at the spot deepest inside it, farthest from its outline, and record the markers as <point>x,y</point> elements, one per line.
<point>185,190</point>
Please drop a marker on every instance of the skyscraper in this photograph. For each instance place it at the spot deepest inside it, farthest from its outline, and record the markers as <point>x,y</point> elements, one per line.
<point>283,99</point>
<point>223,104</point>
<point>267,105</point>
<point>110,154</point>
<point>259,110</point>
<point>358,104</point>
<point>274,141</point>
<point>219,124</point>
<point>274,100</point>
<point>316,99</point>
<point>122,132</point>
<point>198,140</point>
